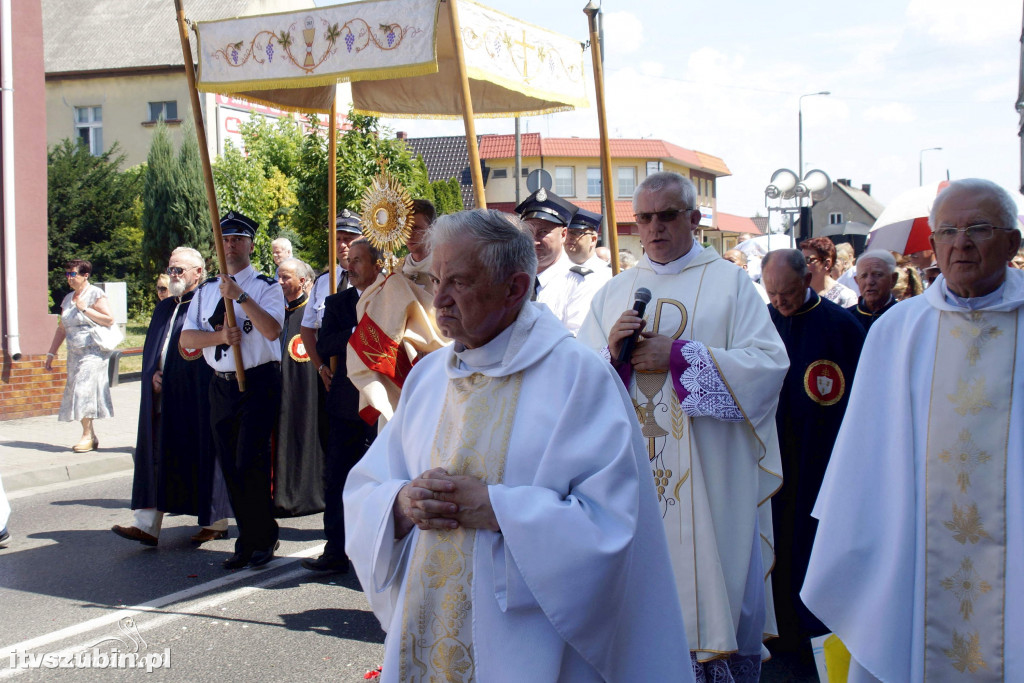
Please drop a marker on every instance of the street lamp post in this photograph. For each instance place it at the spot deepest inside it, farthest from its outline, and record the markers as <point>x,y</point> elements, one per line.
<point>800,128</point>
<point>920,163</point>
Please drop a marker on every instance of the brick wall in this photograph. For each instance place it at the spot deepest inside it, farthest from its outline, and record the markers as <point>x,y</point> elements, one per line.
<point>28,390</point>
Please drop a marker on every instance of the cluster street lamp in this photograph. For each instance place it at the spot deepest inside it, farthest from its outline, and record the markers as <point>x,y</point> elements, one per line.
<point>920,163</point>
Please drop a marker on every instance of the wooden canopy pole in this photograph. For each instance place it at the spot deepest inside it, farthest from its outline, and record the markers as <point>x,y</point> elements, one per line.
<point>467,108</point>
<point>591,11</point>
<point>211,192</point>
<point>332,203</point>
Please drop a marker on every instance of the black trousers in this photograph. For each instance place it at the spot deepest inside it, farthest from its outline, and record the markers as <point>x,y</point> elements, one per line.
<point>242,424</point>
<point>346,444</point>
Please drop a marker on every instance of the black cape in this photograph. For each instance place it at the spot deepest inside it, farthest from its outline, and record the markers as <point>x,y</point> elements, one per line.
<point>823,342</point>
<point>175,464</point>
<point>865,317</point>
<point>298,470</point>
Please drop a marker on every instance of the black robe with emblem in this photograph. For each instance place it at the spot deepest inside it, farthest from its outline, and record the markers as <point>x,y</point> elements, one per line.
<point>175,464</point>
<point>820,337</point>
<point>298,464</point>
<point>865,317</point>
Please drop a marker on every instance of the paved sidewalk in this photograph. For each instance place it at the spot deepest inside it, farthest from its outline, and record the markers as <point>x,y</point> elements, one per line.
<point>36,451</point>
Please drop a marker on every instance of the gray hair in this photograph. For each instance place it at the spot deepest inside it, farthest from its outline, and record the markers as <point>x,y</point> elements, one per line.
<point>794,258</point>
<point>193,256</point>
<point>283,242</point>
<point>656,182</point>
<point>300,267</point>
<point>1006,205</point>
<point>880,255</point>
<point>375,253</point>
<point>626,259</point>
<point>504,244</point>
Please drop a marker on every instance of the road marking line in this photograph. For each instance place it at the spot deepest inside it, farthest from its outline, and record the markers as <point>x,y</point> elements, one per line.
<point>158,603</point>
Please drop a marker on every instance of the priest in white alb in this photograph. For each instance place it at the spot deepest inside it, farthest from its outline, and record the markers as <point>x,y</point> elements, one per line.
<point>504,524</point>
<point>916,564</point>
<point>704,380</point>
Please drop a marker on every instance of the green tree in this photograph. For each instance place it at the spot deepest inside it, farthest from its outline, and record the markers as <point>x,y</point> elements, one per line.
<point>361,151</point>
<point>93,213</point>
<point>174,212</point>
<point>243,187</point>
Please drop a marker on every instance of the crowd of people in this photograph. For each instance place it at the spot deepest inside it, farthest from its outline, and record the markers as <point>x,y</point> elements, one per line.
<point>540,471</point>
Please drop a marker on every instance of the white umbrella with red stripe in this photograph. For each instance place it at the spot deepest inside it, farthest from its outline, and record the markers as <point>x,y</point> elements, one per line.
<point>903,225</point>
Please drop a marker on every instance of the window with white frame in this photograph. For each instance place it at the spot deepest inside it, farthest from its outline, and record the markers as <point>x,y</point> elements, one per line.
<point>627,180</point>
<point>653,167</point>
<point>835,218</point>
<point>168,111</point>
<point>89,128</point>
<point>593,182</point>
<point>565,181</point>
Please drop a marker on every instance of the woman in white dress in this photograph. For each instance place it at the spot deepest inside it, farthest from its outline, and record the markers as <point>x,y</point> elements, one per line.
<point>820,254</point>
<point>87,393</point>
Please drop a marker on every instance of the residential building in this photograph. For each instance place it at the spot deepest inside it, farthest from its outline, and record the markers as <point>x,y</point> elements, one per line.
<point>26,326</point>
<point>115,67</point>
<point>575,168</point>
<point>847,204</point>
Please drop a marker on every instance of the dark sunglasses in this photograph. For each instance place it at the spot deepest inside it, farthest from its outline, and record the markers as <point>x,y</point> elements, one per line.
<point>175,270</point>
<point>666,216</point>
<point>71,273</point>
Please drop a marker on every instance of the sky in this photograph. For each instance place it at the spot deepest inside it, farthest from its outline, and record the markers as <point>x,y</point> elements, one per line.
<point>725,78</point>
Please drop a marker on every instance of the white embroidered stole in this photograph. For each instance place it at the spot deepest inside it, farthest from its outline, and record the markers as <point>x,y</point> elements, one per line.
<point>471,439</point>
<point>965,489</point>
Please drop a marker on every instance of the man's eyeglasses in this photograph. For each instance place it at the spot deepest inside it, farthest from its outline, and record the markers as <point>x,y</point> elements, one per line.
<point>175,270</point>
<point>71,273</point>
<point>945,234</point>
<point>666,216</point>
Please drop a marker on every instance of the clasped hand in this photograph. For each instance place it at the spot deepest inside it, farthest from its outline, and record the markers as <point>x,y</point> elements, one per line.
<point>438,500</point>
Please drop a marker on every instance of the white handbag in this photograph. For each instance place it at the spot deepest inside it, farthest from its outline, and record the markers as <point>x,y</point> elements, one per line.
<point>107,338</point>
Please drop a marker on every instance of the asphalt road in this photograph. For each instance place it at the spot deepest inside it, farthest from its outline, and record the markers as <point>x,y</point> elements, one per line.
<point>67,583</point>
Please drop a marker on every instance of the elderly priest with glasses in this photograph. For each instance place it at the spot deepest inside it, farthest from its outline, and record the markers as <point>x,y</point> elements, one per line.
<point>704,378</point>
<point>916,563</point>
<point>497,536</point>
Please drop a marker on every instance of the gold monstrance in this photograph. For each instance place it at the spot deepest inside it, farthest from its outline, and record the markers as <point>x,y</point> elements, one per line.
<point>387,216</point>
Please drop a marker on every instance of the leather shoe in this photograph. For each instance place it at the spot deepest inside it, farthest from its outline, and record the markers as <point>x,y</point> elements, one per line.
<point>134,534</point>
<point>5,536</point>
<point>261,557</point>
<point>237,561</point>
<point>86,445</point>
<point>205,535</point>
<point>327,563</point>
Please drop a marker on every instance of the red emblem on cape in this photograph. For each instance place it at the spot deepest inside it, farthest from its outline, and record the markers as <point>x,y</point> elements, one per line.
<point>824,382</point>
<point>297,350</point>
<point>190,354</point>
<point>379,352</point>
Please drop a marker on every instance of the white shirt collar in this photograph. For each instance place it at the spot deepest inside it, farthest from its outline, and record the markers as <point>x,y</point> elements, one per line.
<point>675,267</point>
<point>973,303</point>
<point>483,357</point>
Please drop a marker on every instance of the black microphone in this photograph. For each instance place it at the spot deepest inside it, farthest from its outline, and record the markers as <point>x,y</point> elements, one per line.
<point>643,297</point>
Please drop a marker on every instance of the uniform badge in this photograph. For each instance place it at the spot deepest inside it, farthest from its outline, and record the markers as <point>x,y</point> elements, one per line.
<point>824,382</point>
<point>247,326</point>
<point>297,350</point>
<point>190,354</point>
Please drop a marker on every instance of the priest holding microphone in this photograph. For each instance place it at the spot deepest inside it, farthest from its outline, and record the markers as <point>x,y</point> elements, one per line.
<point>704,377</point>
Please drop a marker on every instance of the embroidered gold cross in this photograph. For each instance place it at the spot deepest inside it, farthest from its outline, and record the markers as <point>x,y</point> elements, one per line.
<point>965,457</point>
<point>975,334</point>
<point>966,585</point>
